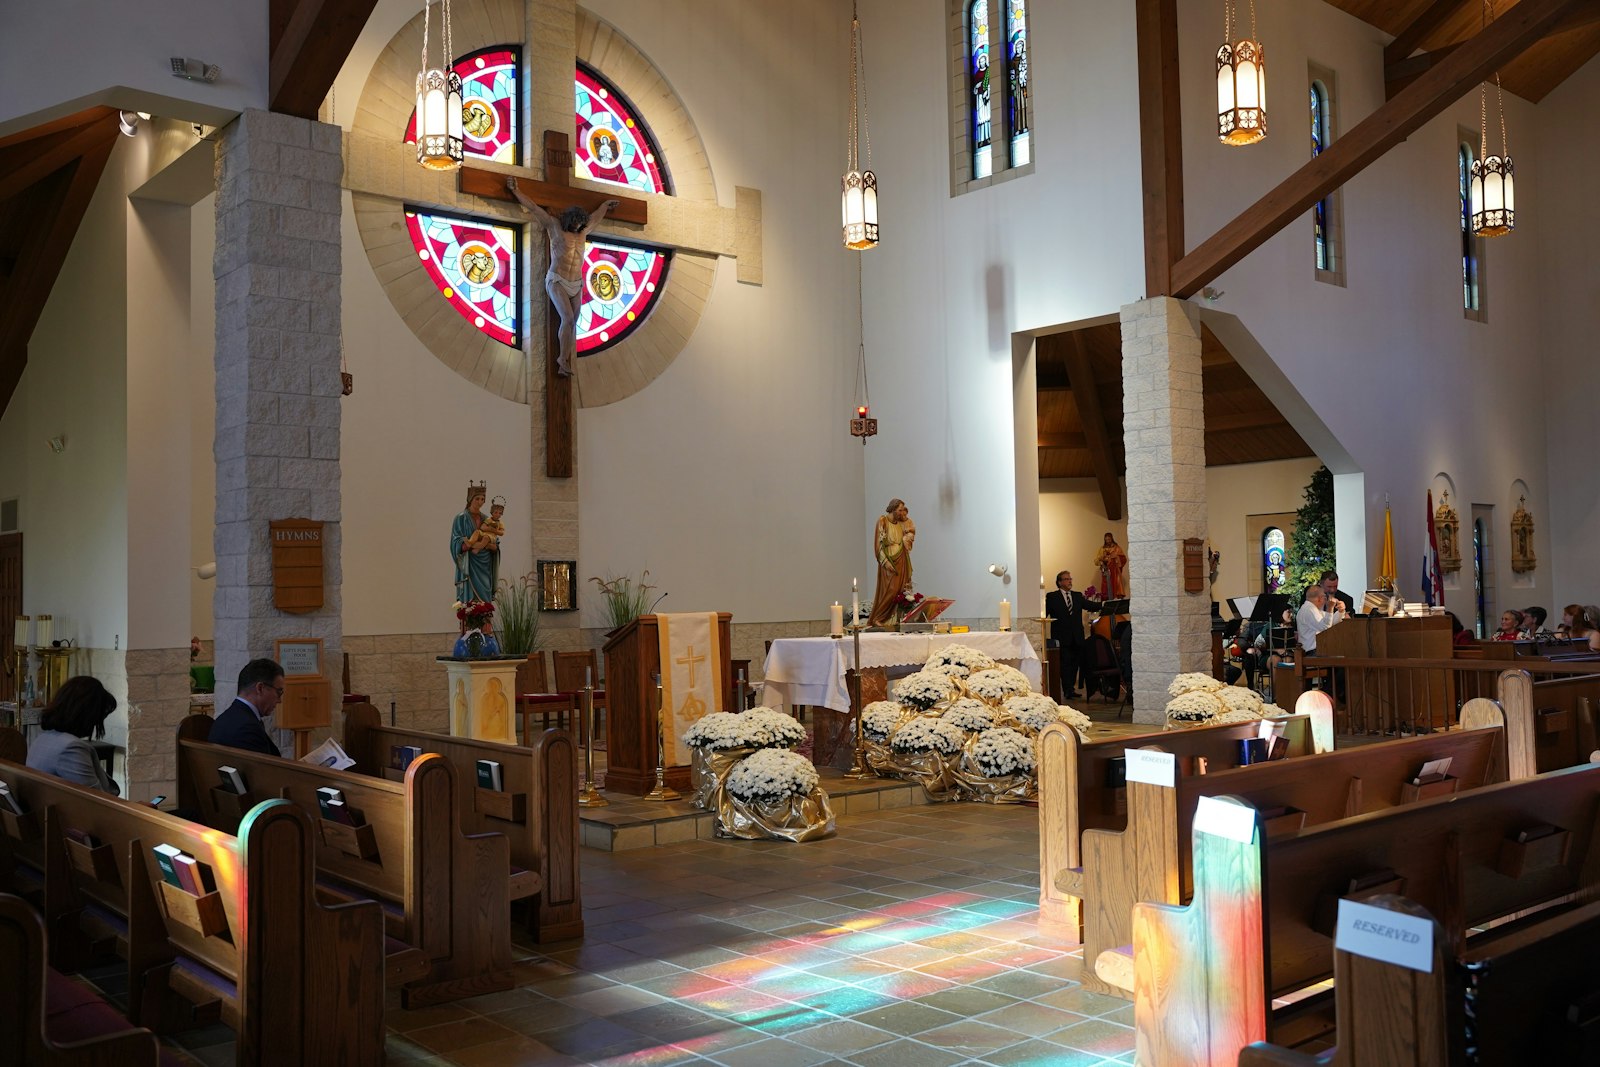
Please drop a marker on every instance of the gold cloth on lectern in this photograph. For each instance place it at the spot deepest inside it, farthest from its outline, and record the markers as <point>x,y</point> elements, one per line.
<point>691,676</point>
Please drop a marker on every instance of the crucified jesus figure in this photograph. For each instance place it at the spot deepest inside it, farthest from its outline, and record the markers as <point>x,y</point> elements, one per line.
<point>564,280</point>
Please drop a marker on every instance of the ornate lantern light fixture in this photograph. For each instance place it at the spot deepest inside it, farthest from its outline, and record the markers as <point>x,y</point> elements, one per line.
<point>439,142</point>
<point>1241,81</point>
<point>1493,190</point>
<point>860,187</point>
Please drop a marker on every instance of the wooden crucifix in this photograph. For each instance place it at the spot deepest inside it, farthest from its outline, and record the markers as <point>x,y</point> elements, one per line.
<point>554,195</point>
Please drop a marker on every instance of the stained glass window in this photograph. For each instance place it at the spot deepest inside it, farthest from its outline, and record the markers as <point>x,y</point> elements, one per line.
<point>620,283</point>
<point>978,50</point>
<point>612,144</point>
<point>1469,248</point>
<point>1018,97</point>
<point>488,105</point>
<point>1319,140</point>
<point>1274,570</point>
<point>474,264</point>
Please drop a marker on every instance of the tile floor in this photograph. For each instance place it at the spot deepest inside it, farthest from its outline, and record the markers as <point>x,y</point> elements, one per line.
<point>910,938</point>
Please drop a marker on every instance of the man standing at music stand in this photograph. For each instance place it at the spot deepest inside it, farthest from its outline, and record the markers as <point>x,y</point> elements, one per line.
<point>1065,608</point>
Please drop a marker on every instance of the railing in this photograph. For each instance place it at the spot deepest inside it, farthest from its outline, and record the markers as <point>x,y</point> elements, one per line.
<point>1401,696</point>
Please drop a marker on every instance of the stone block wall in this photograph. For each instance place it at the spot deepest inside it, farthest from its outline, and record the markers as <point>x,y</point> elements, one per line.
<point>158,699</point>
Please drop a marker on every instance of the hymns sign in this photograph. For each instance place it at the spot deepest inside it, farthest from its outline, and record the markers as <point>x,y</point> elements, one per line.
<point>296,565</point>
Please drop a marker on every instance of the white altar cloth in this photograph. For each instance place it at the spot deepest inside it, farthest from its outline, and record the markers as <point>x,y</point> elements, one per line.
<point>811,670</point>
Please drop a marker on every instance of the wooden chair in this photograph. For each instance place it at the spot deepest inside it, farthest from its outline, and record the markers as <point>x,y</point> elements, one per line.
<point>534,697</point>
<point>571,669</point>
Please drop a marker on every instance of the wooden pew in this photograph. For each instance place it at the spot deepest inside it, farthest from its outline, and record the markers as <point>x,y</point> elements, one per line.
<point>1074,794</point>
<point>537,810</point>
<point>46,1019</point>
<point>1150,861</point>
<point>297,980</point>
<point>1524,996</point>
<point>13,746</point>
<point>1259,926</point>
<point>444,893</point>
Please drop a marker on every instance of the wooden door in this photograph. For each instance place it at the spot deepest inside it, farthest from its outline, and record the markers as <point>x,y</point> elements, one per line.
<point>10,608</point>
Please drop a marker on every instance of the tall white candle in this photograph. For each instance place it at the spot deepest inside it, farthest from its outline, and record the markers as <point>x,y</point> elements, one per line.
<point>855,603</point>
<point>588,676</point>
<point>43,631</point>
<point>836,619</point>
<point>1042,611</point>
<point>20,638</point>
<point>1005,614</point>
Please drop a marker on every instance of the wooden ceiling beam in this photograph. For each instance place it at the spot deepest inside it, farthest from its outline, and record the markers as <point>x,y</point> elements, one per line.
<point>1160,141</point>
<point>60,125</point>
<point>1096,434</point>
<point>45,249</point>
<point>1063,440</point>
<point>53,157</point>
<point>310,40</point>
<point>1410,39</point>
<point>1434,90</point>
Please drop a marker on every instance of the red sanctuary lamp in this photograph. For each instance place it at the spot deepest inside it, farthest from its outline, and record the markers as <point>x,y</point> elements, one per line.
<point>861,426</point>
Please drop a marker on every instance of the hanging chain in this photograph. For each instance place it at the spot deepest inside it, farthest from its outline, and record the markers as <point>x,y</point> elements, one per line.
<point>863,393</point>
<point>1505,144</point>
<point>851,142</point>
<point>859,47</point>
<point>1253,35</point>
<point>427,10</point>
<point>449,56</point>
<point>1227,22</point>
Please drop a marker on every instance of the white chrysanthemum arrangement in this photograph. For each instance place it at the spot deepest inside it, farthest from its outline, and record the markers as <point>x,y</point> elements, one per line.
<point>923,690</point>
<point>1001,752</point>
<point>997,683</point>
<point>1194,707</point>
<point>1192,682</point>
<point>1238,698</point>
<point>928,734</point>
<point>949,670</point>
<point>1233,715</point>
<point>772,775</point>
<point>758,728</point>
<point>969,714</point>
<point>1272,711</point>
<point>1035,711</point>
<point>960,656</point>
<point>879,718</point>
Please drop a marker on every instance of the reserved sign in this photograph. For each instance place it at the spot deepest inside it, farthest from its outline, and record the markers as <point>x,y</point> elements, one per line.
<point>1152,768</point>
<point>1384,935</point>
<point>1225,818</point>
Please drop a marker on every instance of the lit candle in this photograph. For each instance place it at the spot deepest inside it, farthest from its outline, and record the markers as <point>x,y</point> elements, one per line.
<point>1005,614</point>
<point>836,619</point>
<point>855,604</point>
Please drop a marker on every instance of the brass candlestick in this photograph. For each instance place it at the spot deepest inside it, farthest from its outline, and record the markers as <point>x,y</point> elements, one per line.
<point>858,765</point>
<point>743,690</point>
<point>588,795</point>
<point>661,792</point>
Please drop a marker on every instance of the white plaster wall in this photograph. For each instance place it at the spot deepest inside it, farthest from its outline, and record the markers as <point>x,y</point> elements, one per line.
<point>955,277</point>
<point>413,434</point>
<point>732,477</point>
<point>1072,527</point>
<point>1401,378</point>
<point>1568,519</point>
<point>130,46</point>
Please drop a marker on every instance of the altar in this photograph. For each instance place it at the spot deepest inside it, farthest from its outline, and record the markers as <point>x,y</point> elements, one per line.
<point>811,670</point>
<point>483,694</point>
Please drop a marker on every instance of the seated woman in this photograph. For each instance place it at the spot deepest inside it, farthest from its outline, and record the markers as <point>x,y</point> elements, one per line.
<point>1459,634</point>
<point>1510,626</point>
<point>1578,623</point>
<point>79,710</point>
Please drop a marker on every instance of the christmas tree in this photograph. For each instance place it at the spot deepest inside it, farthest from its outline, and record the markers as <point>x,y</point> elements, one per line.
<point>1313,550</point>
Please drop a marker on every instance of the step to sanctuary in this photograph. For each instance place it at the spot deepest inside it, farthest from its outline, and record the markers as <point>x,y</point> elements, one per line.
<point>628,822</point>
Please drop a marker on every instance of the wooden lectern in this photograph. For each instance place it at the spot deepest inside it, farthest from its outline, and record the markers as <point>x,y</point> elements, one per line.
<point>633,659</point>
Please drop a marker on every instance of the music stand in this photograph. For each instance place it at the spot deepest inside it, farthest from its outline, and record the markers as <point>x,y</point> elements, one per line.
<point>1269,609</point>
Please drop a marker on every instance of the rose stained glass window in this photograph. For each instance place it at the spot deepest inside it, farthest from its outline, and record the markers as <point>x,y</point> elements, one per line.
<point>620,282</point>
<point>488,105</point>
<point>612,144</point>
<point>474,264</point>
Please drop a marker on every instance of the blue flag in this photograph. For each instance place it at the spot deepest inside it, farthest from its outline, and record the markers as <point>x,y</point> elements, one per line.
<point>1427,581</point>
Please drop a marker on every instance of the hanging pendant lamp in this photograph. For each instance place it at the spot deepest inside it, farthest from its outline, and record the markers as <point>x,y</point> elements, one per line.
<point>1493,187</point>
<point>859,187</point>
<point>439,141</point>
<point>1241,81</point>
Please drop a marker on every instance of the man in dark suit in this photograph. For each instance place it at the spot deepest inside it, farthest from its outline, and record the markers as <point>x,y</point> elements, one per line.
<point>1329,581</point>
<point>1065,608</point>
<point>260,689</point>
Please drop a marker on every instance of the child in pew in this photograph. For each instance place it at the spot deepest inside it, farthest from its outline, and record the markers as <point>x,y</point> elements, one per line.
<point>79,710</point>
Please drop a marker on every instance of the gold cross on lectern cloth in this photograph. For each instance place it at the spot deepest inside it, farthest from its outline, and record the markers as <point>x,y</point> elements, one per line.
<point>687,693</point>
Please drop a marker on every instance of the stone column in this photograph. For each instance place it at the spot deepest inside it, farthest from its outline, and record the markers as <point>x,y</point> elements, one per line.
<point>1163,422</point>
<point>277,269</point>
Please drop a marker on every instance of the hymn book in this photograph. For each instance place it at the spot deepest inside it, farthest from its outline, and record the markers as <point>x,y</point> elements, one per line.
<point>490,776</point>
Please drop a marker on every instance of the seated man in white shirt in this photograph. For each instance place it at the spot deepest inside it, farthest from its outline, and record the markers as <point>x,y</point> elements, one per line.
<point>1315,616</point>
